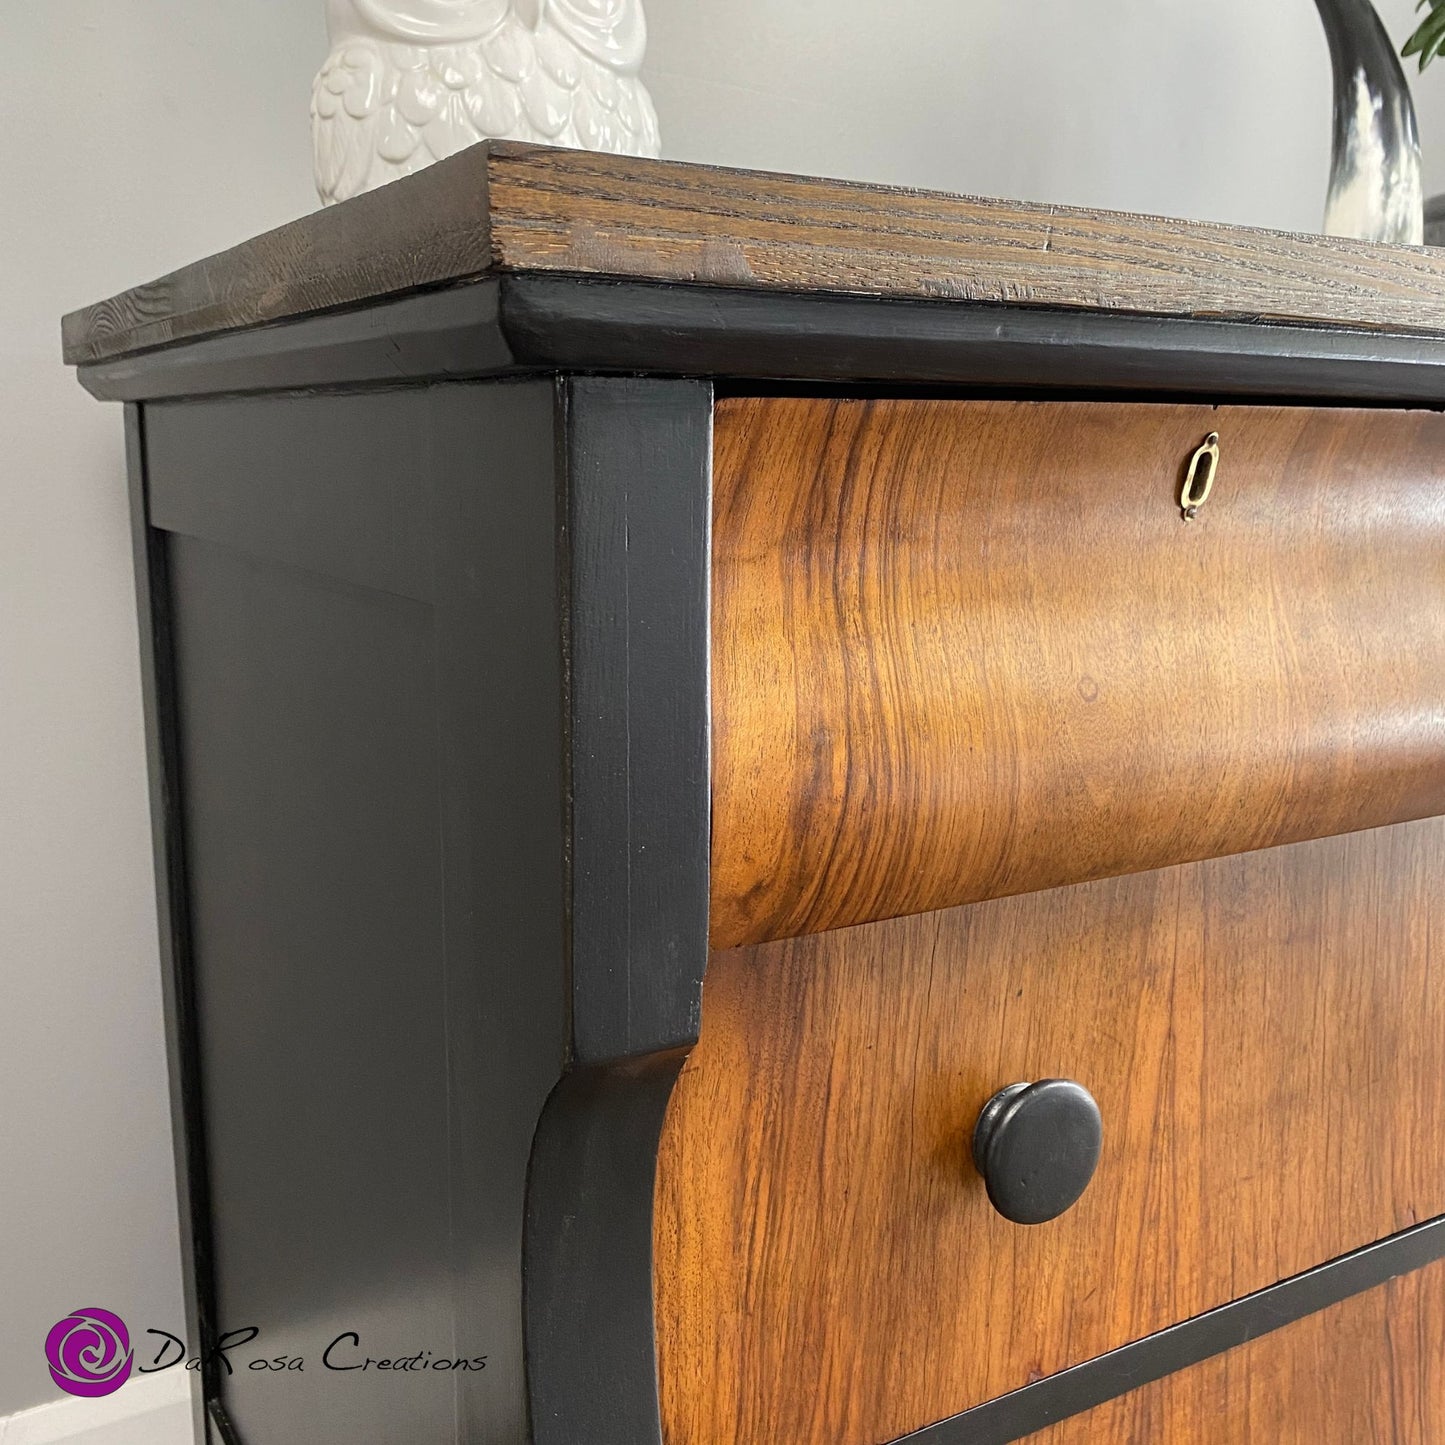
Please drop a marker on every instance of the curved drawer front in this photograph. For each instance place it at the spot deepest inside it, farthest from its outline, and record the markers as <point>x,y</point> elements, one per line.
<point>1264,1035</point>
<point>968,649</point>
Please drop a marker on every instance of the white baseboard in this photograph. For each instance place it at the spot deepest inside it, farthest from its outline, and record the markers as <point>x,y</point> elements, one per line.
<point>145,1408</point>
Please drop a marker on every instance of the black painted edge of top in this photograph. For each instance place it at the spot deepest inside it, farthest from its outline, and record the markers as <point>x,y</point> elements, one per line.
<point>513,325</point>
<point>443,333</point>
<point>1083,1387</point>
<point>572,324</point>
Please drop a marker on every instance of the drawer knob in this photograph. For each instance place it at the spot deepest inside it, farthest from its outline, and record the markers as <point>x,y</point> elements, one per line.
<point>1037,1146</point>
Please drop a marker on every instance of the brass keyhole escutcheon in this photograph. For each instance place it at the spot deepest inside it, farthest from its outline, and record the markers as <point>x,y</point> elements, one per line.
<point>1203,468</point>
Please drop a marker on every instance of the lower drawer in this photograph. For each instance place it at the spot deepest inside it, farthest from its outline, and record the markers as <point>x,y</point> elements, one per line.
<point>1265,1035</point>
<point>1370,1369</point>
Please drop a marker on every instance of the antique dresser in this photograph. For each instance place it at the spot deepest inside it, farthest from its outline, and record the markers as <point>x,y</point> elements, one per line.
<point>792,813</point>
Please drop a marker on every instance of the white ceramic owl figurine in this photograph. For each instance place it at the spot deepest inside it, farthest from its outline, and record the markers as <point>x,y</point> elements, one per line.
<point>411,81</point>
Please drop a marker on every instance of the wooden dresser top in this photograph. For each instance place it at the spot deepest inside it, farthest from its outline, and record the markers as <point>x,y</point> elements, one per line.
<point>506,208</point>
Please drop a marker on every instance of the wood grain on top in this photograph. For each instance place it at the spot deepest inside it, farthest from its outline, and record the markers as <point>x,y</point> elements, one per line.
<point>969,648</point>
<point>505,207</point>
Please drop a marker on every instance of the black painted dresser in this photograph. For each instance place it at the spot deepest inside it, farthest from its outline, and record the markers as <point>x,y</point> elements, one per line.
<point>792,813</point>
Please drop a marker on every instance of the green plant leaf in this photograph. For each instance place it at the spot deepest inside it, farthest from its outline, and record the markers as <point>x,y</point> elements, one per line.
<point>1431,51</point>
<point>1432,22</point>
<point>1428,41</point>
<point>1433,38</point>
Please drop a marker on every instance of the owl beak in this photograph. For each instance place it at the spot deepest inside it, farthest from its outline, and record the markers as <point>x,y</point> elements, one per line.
<point>529,12</point>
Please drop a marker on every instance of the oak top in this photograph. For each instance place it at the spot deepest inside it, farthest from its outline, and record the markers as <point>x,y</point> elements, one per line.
<point>506,208</point>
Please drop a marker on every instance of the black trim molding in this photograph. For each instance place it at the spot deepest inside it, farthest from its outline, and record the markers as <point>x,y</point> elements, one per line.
<point>638,476</point>
<point>591,1336</point>
<point>521,324</point>
<point>717,332</point>
<point>219,1430</point>
<point>188,1135</point>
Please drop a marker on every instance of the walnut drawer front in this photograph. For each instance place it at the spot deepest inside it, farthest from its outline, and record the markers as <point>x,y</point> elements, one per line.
<point>966,649</point>
<point>1372,1368</point>
<point>1019,774</point>
<point>1265,1036</point>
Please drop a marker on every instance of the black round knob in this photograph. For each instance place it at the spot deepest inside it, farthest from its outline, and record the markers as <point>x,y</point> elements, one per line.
<point>1037,1146</point>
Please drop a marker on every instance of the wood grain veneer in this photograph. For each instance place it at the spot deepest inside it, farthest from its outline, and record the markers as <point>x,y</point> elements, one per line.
<point>501,206</point>
<point>965,649</point>
<point>1265,1035</point>
<point>1370,1369</point>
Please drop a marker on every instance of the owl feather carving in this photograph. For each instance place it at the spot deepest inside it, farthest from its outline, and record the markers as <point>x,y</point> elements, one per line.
<point>411,81</point>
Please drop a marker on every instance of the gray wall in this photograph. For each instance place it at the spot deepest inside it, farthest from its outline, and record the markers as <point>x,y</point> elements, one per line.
<point>137,134</point>
<point>1216,110</point>
<point>140,135</point>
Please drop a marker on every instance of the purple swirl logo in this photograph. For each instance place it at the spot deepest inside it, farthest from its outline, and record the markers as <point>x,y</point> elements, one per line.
<point>89,1352</point>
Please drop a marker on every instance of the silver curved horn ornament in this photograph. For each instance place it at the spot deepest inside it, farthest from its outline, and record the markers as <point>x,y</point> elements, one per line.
<point>1375,189</point>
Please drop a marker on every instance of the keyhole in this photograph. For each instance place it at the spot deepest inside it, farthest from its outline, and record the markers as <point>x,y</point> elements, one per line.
<point>1203,467</point>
